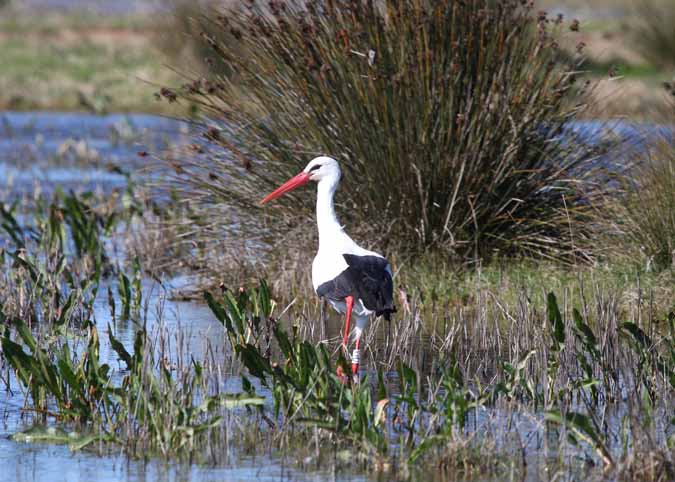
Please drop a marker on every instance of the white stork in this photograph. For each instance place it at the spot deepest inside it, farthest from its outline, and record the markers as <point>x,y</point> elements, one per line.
<point>355,281</point>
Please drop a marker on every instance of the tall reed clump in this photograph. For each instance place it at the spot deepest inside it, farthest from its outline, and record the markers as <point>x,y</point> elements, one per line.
<point>653,31</point>
<point>644,217</point>
<point>447,118</point>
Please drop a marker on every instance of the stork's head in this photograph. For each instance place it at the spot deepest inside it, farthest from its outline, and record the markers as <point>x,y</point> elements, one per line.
<point>319,169</point>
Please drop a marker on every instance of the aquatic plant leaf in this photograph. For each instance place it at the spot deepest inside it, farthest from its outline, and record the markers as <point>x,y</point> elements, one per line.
<point>139,343</point>
<point>212,423</point>
<point>636,334</point>
<point>584,429</point>
<point>235,310</point>
<point>644,347</point>
<point>66,371</point>
<point>57,435</point>
<point>111,302</point>
<point>20,360</point>
<point>255,363</point>
<point>198,368</point>
<point>283,341</point>
<point>43,434</point>
<point>522,363</point>
<point>215,307</point>
<point>119,349</point>
<point>583,327</point>
<point>66,309</point>
<point>307,360</point>
<point>26,334</point>
<point>321,423</point>
<point>11,226</point>
<point>32,271</point>
<point>407,377</point>
<point>381,387</point>
<point>556,321</point>
<point>136,285</point>
<point>380,412</point>
<point>426,444</point>
<point>84,442</point>
<point>61,265</point>
<point>264,295</point>
<point>240,400</point>
<point>246,384</point>
<point>124,290</point>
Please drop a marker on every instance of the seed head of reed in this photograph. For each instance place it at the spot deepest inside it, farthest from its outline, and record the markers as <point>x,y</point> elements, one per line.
<point>446,117</point>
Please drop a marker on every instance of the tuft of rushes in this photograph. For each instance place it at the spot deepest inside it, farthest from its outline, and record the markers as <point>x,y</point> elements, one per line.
<point>448,119</point>
<point>645,215</point>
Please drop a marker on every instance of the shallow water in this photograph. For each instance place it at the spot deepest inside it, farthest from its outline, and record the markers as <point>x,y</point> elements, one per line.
<point>75,151</point>
<point>40,152</point>
<point>198,328</point>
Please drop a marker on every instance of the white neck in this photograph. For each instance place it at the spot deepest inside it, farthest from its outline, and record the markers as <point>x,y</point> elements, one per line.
<point>326,220</point>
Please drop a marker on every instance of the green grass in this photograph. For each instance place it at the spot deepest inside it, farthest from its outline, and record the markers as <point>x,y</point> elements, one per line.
<point>654,35</point>
<point>77,65</point>
<point>641,71</point>
<point>422,420</point>
<point>52,23</point>
<point>509,280</point>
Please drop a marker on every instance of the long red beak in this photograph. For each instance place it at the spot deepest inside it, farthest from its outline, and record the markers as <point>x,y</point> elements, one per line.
<point>297,181</point>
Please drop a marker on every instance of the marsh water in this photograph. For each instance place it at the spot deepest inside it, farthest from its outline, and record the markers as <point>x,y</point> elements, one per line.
<point>40,152</point>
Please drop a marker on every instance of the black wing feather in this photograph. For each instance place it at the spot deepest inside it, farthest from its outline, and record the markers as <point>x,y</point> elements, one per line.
<point>366,278</point>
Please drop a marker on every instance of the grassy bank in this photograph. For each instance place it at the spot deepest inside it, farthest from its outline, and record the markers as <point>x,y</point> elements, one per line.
<point>81,63</point>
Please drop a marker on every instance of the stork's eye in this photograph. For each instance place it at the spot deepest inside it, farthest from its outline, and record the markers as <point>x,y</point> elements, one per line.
<point>315,167</point>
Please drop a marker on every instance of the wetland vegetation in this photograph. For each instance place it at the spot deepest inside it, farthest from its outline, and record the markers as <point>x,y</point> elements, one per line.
<point>159,315</point>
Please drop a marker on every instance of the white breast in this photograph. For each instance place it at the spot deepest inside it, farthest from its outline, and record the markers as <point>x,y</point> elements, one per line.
<point>329,262</point>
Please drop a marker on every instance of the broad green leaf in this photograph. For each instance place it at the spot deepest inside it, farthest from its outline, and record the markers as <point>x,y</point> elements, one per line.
<point>119,349</point>
<point>555,319</point>
<point>583,429</point>
<point>380,412</point>
<point>236,401</point>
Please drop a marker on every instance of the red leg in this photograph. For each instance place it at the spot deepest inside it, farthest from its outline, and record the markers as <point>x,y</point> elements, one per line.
<point>350,304</point>
<point>349,300</point>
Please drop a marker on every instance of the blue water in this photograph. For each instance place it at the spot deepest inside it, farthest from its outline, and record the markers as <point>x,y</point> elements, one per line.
<point>79,151</point>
